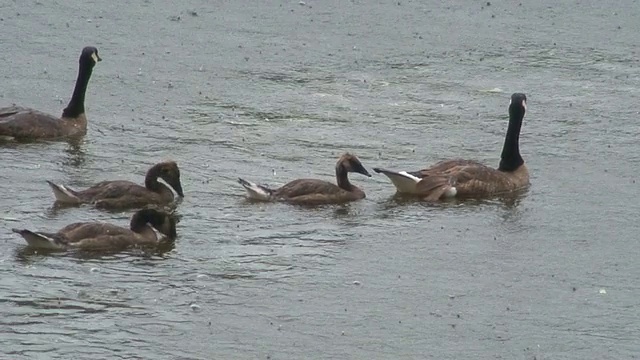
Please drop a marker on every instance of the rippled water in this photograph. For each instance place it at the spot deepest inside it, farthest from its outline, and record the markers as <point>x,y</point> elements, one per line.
<point>273,91</point>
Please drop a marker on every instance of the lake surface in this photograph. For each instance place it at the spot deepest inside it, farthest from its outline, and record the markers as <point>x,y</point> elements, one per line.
<point>273,91</point>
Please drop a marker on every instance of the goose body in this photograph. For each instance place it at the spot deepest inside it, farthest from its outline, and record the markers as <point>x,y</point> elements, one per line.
<point>22,123</point>
<point>104,236</point>
<point>314,191</point>
<point>468,178</point>
<point>121,194</point>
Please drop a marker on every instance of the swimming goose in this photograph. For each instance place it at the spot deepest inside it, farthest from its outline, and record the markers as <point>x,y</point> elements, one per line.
<point>468,178</point>
<point>104,236</point>
<point>312,191</point>
<point>24,124</point>
<point>121,194</point>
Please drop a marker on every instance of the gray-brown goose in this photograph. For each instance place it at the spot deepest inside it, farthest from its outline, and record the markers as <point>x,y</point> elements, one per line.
<point>314,191</point>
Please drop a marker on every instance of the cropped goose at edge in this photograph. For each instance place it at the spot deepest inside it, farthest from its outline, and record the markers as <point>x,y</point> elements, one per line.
<point>22,123</point>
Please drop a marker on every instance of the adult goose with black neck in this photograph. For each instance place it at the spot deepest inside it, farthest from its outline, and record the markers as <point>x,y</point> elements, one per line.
<point>467,178</point>
<point>20,123</point>
<point>314,191</point>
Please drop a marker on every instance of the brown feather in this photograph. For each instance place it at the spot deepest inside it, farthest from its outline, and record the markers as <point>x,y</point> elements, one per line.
<point>24,123</point>
<point>470,178</point>
<point>122,194</point>
<point>316,192</point>
<point>103,236</point>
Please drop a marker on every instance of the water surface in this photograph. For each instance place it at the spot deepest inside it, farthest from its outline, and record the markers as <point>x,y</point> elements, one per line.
<point>273,91</point>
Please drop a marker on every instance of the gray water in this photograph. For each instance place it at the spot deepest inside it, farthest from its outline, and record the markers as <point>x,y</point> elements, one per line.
<point>273,91</point>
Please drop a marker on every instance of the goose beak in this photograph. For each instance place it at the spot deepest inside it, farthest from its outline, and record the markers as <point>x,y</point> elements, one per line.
<point>95,57</point>
<point>178,188</point>
<point>174,182</point>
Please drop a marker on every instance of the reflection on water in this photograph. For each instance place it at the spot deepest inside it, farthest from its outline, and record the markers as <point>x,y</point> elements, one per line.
<point>76,154</point>
<point>26,254</point>
<point>507,201</point>
<point>58,208</point>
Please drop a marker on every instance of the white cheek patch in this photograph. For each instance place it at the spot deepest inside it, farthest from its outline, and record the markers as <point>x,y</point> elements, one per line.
<point>524,105</point>
<point>156,232</point>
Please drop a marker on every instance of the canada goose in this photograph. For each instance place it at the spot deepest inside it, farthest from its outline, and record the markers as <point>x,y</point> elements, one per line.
<point>467,178</point>
<point>23,123</point>
<point>122,194</point>
<point>104,236</point>
<point>312,191</point>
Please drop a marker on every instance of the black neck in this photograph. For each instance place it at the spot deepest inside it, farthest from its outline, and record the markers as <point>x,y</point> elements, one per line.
<point>510,158</point>
<point>143,219</point>
<point>76,105</point>
<point>151,181</point>
<point>139,221</point>
<point>342,178</point>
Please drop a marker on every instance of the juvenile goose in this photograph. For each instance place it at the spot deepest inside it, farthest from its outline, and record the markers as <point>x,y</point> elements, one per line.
<point>468,178</point>
<point>122,194</point>
<point>104,236</point>
<point>312,191</point>
<point>23,123</point>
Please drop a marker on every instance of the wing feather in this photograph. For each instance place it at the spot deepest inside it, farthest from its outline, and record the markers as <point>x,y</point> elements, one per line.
<point>316,192</point>
<point>122,193</point>
<point>79,231</point>
<point>469,178</point>
<point>302,187</point>
<point>20,122</point>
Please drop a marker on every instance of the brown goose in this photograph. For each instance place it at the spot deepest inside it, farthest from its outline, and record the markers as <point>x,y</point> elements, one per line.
<point>121,194</point>
<point>467,178</point>
<point>312,191</point>
<point>104,236</point>
<point>21,123</point>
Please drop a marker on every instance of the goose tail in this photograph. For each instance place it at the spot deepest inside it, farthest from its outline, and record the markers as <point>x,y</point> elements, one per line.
<point>255,191</point>
<point>403,181</point>
<point>40,240</point>
<point>63,194</point>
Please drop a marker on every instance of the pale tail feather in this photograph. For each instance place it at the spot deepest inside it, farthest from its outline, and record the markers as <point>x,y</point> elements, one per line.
<point>403,181</point>
<point>63,194</point>
<point>39,241</point>
<point>255,191</point>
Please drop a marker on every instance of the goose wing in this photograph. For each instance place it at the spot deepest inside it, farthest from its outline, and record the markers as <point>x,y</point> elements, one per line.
<point>468,178</point>
<point>85,230</point>
<point>305,187</point>
<point>121,194</point>
<point>20,122</point>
